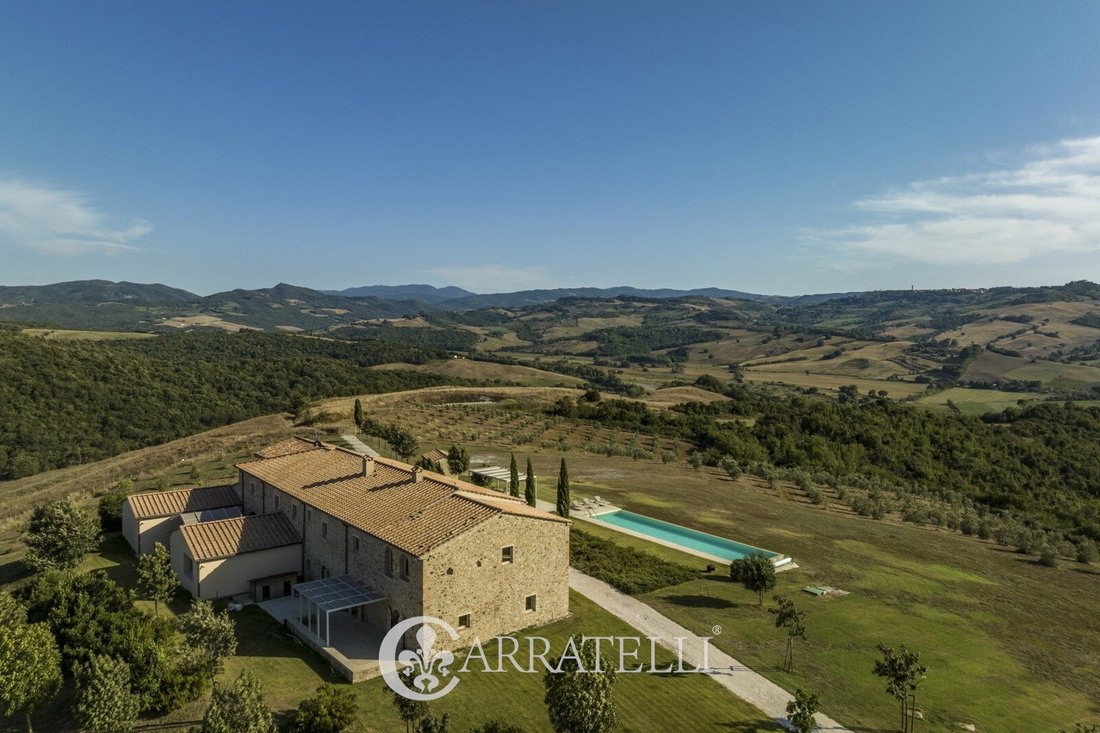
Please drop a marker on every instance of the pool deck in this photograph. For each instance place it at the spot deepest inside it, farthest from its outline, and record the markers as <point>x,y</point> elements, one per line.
<point>587,513</point>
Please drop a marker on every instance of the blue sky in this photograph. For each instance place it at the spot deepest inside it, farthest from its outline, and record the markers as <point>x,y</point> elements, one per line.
<point>779,147</point>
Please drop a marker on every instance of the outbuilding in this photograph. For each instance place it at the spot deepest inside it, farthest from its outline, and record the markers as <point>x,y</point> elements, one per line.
<point>149,517</point>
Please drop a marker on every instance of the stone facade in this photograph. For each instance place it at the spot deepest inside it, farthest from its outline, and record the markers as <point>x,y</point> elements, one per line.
<point>465,581</point>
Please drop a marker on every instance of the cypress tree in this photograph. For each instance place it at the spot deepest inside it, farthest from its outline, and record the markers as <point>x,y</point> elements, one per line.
<point>358,413</point>
<point>563,490</point>
<point>513,478</point>
<point>531,492</point>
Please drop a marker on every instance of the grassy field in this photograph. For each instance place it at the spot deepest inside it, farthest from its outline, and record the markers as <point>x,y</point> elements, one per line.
<point>833,382</point>
<point>488,371</point>
<point>60,334</point>
<point>976,401</point>
<point>1011,645</point>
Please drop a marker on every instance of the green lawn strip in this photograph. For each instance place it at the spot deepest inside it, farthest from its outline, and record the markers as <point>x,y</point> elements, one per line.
<point>972,677</point>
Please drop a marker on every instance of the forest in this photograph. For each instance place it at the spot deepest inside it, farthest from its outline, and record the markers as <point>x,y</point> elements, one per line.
<point>64,402</point>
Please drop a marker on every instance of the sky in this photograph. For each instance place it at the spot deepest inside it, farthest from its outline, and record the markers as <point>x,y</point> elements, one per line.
<point>774,147</point>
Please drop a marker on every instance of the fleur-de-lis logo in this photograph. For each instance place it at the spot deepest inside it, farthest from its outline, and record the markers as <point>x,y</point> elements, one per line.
<point>423,661</point>
<point>419,674</point>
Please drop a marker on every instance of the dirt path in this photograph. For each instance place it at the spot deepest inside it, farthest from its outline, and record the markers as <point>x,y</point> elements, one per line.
<point>725,670</point>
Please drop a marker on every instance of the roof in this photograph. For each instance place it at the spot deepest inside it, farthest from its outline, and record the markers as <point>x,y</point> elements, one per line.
<point>228,537</point>
<point>150,504</point>
<point>435,455</point>
<point>498,473</point>
<point>288,447</point>
<point>415,516</point>
<point>339,593</point>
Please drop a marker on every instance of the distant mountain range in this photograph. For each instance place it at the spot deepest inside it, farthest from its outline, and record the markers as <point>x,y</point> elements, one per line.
<point>456,299</point>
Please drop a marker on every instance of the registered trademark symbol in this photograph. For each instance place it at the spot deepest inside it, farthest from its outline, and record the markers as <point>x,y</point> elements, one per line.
<point>716,629</point>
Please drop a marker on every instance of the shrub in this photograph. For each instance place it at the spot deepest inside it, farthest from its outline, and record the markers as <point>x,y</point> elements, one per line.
<point>1048,555</point>
<point>331,710</point>
<point>110,511</point>
<point>631,571</point>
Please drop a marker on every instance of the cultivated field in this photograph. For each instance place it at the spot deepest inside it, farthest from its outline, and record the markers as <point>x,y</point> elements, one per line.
<point>61,334</point>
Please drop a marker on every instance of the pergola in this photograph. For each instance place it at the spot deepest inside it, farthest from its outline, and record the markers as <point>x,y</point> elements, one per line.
<point>331,594</point>
<point>497,473</point>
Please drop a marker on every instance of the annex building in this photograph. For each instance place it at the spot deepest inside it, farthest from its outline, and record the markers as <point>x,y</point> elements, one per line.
<point>370,539</point>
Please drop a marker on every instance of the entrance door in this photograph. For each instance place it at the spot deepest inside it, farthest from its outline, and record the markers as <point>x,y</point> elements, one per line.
<point>265,592</point>
<point>286,587</point>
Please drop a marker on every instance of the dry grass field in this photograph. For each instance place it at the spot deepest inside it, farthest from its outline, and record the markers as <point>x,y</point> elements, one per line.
<point>61,334</point>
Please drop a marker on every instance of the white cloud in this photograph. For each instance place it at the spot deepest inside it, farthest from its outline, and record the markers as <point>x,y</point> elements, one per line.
<point>1046,202</point>
<point>494,278</point>
<point>61,222</point>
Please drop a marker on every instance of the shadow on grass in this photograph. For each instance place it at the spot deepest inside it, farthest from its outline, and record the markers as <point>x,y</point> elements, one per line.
<point>750,726</point>
<point>700,601</point>
<point>13,571</point>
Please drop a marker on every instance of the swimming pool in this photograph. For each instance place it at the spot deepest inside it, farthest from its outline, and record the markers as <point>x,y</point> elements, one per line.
<point>666,533</point>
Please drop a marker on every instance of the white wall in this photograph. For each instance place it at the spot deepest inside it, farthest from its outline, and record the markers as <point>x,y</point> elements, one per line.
<point>129,525</point>
<point>228,577</point>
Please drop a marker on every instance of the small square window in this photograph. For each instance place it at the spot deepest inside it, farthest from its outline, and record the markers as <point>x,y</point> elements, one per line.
<point>531,603</point>
<point>506,554</point>
<point>464,621</point>
<point>355,543</point>
<point>324,529</point>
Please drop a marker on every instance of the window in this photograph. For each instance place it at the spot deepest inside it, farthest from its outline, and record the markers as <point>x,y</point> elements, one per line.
<point>188,566</point>
<point>276,502</point>
<point>506,555</point>
<point>324,571</point>
<point>389,562</point>
<point>324,529</point>
<point>531,603</point>
<point>355,544</point>
<point>464,621</point>
<point>309,515</point>
<point>405,567</point>
<point>294,510</point>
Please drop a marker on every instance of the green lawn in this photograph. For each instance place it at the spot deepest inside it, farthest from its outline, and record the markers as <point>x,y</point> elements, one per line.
<point>976,401</point>
<point>1011,645</point>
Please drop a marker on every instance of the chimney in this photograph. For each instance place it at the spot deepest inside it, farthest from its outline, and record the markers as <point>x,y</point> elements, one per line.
<point>418,473</point>
<point>368,466</point>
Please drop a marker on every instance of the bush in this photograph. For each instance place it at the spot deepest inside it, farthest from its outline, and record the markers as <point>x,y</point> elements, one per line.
<point>631,571</point>
<point>1048,555</point>
<point>331,710</point>
<point>110,510</point>
<point>183,683</point>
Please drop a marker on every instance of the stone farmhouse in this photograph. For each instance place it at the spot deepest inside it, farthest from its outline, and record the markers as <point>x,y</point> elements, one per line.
<point>374,539</point>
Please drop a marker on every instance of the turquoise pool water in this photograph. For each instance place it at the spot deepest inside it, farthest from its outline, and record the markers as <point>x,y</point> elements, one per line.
<point>677,535</point>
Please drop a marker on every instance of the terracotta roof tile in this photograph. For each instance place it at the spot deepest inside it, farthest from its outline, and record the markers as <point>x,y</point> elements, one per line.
<point>150,504</point>
<point>290,446</point>
<point>228,537</point>
<point>390,504</point>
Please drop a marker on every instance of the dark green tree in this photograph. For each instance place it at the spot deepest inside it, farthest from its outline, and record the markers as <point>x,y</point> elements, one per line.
<point>800,711</point>
<point>210,636</point>
<point>531,491</point>
<point>903,673</point>
<point>409,711</point>
<point>458,460</point>
<point>513,477</point>
<point>156,579</point>
<point>238,708</point>
<point>755,572</point>
<point>105,702</point>
<point>563,502</point>
<point>788,617</point>
<point>332,709</point>
<point>110,506</point>
<point>432,724</point>
<point>579,695</point>
<point>30,664</point>
<point>358,413</point>
<point>59,535</point>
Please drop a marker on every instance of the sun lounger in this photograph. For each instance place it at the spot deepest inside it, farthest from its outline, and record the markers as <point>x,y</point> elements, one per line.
<point>601,502</point>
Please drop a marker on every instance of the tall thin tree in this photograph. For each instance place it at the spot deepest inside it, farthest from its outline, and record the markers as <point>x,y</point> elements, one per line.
<point>531,491</point>
<point>563,490</point>
<point>788,617</point>
<point>513,477</point>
